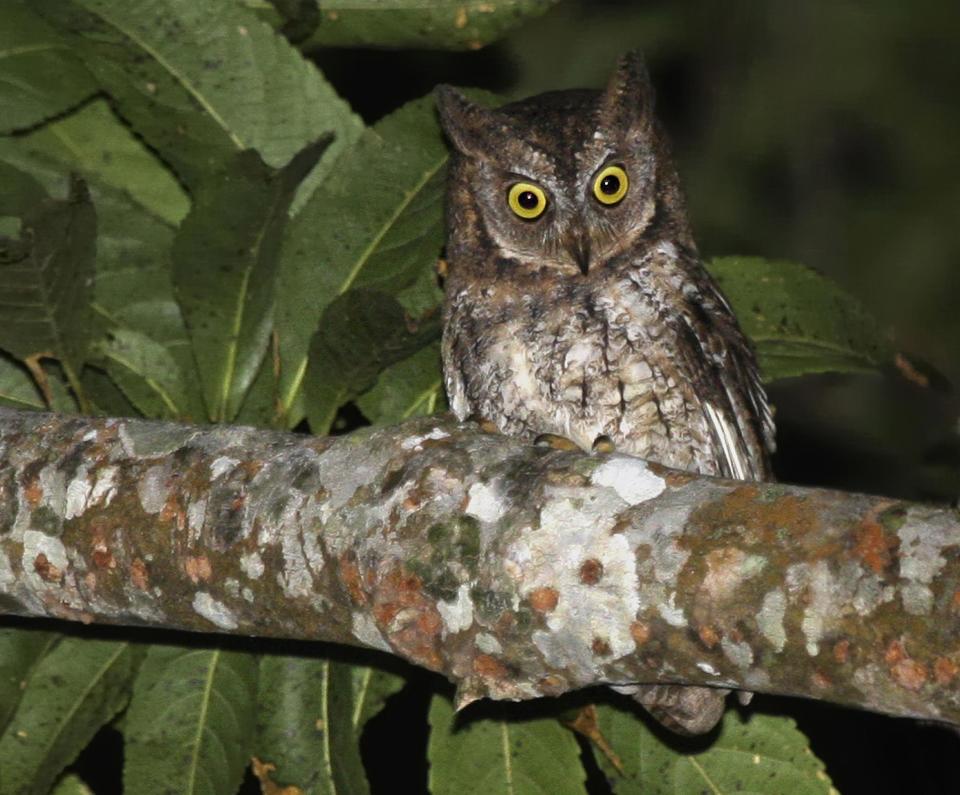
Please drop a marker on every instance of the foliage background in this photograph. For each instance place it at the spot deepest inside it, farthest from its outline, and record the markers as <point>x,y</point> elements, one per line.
<point>824,133</point>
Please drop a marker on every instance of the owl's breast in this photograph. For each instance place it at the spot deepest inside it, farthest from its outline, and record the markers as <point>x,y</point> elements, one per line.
<point>596,363</point>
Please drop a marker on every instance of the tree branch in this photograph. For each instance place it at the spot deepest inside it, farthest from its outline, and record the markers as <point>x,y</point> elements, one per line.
<point>515,571</point>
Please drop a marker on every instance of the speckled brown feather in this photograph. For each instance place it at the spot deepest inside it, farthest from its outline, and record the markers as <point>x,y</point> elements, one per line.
<point>642,347</point>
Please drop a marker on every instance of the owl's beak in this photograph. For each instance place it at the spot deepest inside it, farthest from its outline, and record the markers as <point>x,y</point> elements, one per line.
<point>579,248</point>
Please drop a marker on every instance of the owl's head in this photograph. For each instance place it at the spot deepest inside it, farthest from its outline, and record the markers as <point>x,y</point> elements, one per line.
<point>564,182</point>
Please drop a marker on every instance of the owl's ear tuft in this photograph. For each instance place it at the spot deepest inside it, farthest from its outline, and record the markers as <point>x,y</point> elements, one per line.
<point>627,102</point>
<point>471,128</point>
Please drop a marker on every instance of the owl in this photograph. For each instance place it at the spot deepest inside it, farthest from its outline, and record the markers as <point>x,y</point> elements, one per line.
<point>576,303</point>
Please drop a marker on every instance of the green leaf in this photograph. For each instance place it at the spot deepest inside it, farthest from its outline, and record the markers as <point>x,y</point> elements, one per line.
<point>376,222</point>
<point>72,785</point>
<point>45,280</point>
<point>190,725</point>
<point>410,388</point>
<point>74,690</point>
<point>759,754</point>
<point>360,334</point>
<point>799,321</point>
<point>202,81</point>
<point>441,24</point>
<point>225,260</point>
<point>492,757</point>
<point>371,689</point>
<point>39,76</point>
<point>20,651</point>
<point>21,192</point>
<point>306,725</point>
<point>17,389</point>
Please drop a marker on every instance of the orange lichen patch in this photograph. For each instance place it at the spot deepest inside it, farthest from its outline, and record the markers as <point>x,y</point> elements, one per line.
<point>103,557</point>
<point>764,510</point>
<point>409,617</point>
<point>909,674</point>
<point>945,670</point>
<point>543,600</point>
<point>874,547</point>
<point>173,512</point>
<point>895,652</point>
<point>138,574</point>
<point>350,577</point>
<point>820,680</point>
<point>489,667</point>
<point>460,21</point>
<point>709,637</point>
<point>33,492</point>
<point>841,651</point>
<point>46,570</point>
<point>591,570</point>
<point>601,647</point>
<point>198,569</point>
<point>552,685</point>
<point>955,602</point>
<point>411,504</point>
<point>640,632</point>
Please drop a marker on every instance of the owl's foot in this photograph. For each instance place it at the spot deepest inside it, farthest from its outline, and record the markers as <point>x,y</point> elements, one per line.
<point>681,708</point>
<point>604,444</point>
<point>487,426</point>
<point>555,441</point>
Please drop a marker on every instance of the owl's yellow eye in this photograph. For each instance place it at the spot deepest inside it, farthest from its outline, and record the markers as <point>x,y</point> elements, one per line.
<point>611,185</point>
<point>527,200</point>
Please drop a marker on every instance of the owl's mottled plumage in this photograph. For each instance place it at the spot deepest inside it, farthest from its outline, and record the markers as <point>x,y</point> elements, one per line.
<point>591,319</point>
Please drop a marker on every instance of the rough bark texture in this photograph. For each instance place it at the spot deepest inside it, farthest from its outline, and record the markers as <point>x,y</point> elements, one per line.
<point>515,571</point>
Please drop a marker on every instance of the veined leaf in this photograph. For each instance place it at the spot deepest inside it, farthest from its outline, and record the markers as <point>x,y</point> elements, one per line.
<point>799,321</point>
<point>441,24</point>
<point>21,192</point>
<point>760,754</point>
<point>39,76</point>
<point>45,283</point>
<point>360,334</point>
<point>20,651</point>
<point>190,725</point>
<point>202,81</point>
<point>371,689</point>
<point>17,389</point>
<point>225,260</point>
<point>492,757</point>
<point>306,726</point>
<point>410,388</point>
<point>348,236</point>
<point>74,690</point>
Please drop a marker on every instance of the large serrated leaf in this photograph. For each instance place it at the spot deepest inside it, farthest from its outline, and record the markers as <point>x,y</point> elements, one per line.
<point>46,278</point>
<point>225,261</point>
<point>361,333</point>
<point>39,76</point>
<point>305,726</point>
<point>441,24</point>
<point>761,754</point>
<point>799,321</point>
<point>202,81</point>
<point>20,651</point>
<point>410,388</point>
<point>190,725</point>
<point>71,692</point>
<point>493,757</point>
<point>376,222</point>
<point>371,689</point>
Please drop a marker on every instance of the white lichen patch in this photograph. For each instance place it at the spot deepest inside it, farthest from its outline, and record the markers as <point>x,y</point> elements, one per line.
<point>416,442</point>
<point>821,599</point>
<point>78,493</point>
<point>708,669</point>
<point>921,558</point>
<point>575,529</point>
<point>105,487</point>
<point>217,613</point>
<point>630,478</point>
<point>7,577</point>
<point>740,654</point>
<point>196,514</point>
<point>871,593</point>
<point>154,488</point>
<point>295,578</point>
<point>222,465</point>
<point>484,502</point>
<point>458,614</point>
<point>54,488</point>
<point>35,544</point>
<point>365,630</point>
<point>252,565</point>
<point>487,643</point>
<point>770,618</point>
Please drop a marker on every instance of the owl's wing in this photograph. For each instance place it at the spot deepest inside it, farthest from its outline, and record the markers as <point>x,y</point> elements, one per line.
<point>734,401</point>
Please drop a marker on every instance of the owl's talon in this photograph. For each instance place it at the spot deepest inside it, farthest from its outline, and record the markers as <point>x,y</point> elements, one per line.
<point>487,426</point>
<point>604,444</point>
<point>555,442</point>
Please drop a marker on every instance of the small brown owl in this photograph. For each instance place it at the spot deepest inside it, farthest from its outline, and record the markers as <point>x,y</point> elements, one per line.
<point>577,303</point>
